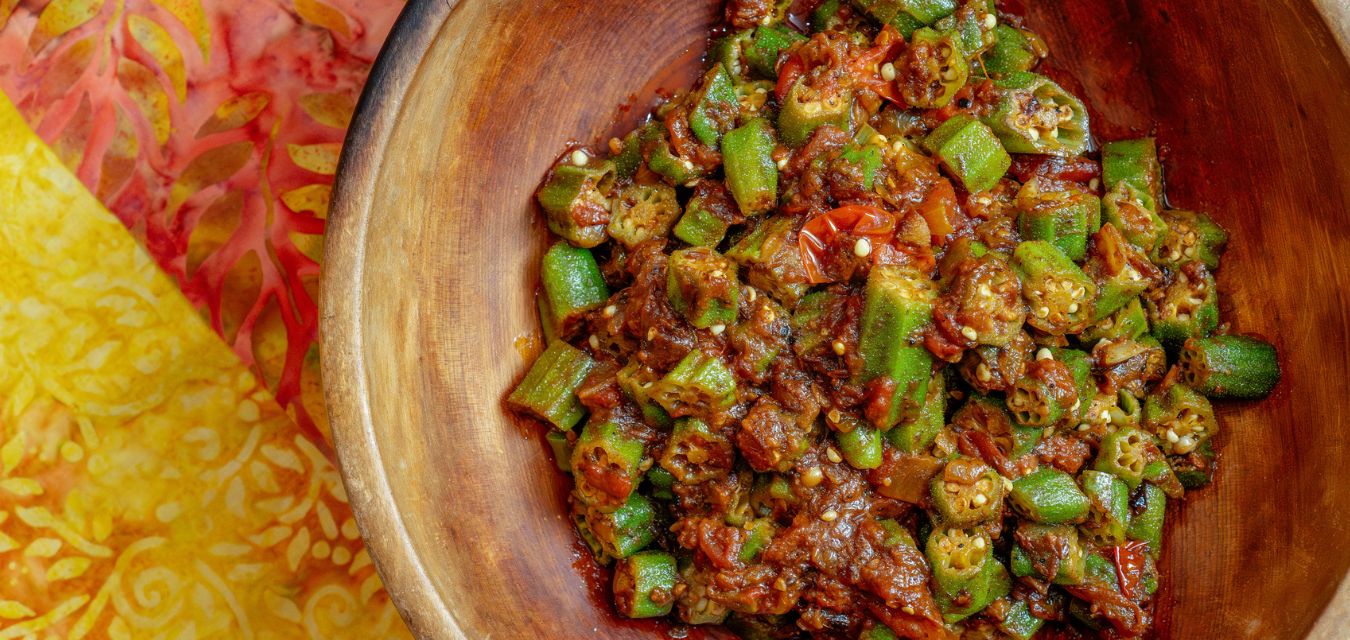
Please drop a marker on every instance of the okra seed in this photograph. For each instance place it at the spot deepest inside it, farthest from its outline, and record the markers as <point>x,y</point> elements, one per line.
<point>1044,354</point>
<point>1105,415</point>
<point>980,500</point>
<point>1034,134</point>
<point>838,347</point>
<point>1073,308</point>
<point>1183,317</point>
<point>615,146</point>
<point>988,21</point>
<point>1054,133</point>
<point>1084,426</point>
<point>651,334</point>
<point>717,329</point>
<point>888,72</point>
<point>984,290</point>
<point>829,516</point>
<point>610,311</point>
<point>580,158</point>
<point>782,163</point>
<point>979,543</point>
<point>1076,405</point>
<point>909,610</point>
<point>834,416</point>
<point>1094,183</point>
<point>812,477</point>
<point>969,333</point>
<point>982,372</point>
<point>688,165</point>
<point>1190,237</point>
<point>1189,252</point>
<point>753,295</point>
<point>833,455</point>
<point>1042,312</point>
<point>593,341</point>
<point>770,316</point>
<point>862,248</point>
<point>1194,301</point>
<point>1172,436</point>
<point>952,487</point>
<point>780,584</point>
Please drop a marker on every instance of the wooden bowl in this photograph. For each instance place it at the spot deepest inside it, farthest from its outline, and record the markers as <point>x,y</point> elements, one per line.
<point>433,245</point>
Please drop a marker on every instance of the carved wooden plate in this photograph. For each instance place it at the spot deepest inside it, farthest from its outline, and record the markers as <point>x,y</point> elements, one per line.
<point>433,244</point>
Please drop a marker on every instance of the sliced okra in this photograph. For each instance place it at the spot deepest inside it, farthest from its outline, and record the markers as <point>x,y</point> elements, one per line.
<point>695,454</point>
<point>576,201</point>
<point>1230,366</point>
<point>1180,417</point>
<point>1035,115</point>
<point>898,305</point>
<point>1049,496</point>
<point>644,584</point>
<point>606,465</point>
<point>1063,218</point>
<point>641,212</point>
<point>1060,296</point>
<point>548,390</point>
<point>1190,236</point>
<point>699,385</point>
<point>1187,306</point>
<point>967,492</point>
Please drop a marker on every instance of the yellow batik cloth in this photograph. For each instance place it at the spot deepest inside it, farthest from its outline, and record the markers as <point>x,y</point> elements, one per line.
<point>150,487</point>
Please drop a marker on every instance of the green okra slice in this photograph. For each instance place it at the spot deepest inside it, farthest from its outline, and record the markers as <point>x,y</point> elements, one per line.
<point>1018,622</point>
<point>661,482</point>
<point>701,285</point>
<point>695,454</point>
<point>974,24</point>
<point>898,304</point>
<point>970,152</point>
<point>1109,497</point>
<point>624,531</point>
<point>1180,418</point>
<point>1190,236</point>
<point>1080,368</point>
<point>573,286</point>
<point>1195,469</point>
<point>987,414</point>
<point>826,16</point>
<point>939,69</point>
<point>966,575</point>
<point>547,322</point>
<point>562,449</point>
<point>707,216</point>
<point>1060,296</point>
<point>629,156</point>
<point>581,516</point>
<point>751,174</point>
<point>1047,395</point>
<point>729,51</point>
<point>1049,496</point>
<point>1062,218</point>
<point>715,106</point>
<point>606,465</point>
<point>1134,212</point>
<point>1121,271</point>
<point>1134,162</point>
<point>878,631</point>
<point>1124,453</point>
<point>967,492</point>
<point>641,212</point>
<point>807,107</point>
<point>760,534</point>
<point>1185,307</point>
<point>1146,525</point>
<point>663,160</point>
<point>695,605</point>
<point>915,435</point>
<point>1035,115</point>
<point>772,260</point>
<point>575,200</point>
<point>548,390</point>
<point>1014,50</point>
<point>987,296</point>
<point>906,15</point>
<point>859,442</point>
<point>700,384</point>
<point>1230,366</point>
<point>644,584</point>
<point>637,382</point>
<point>1129,322</point>
<point>1049,552</point>
<point>768,42</point>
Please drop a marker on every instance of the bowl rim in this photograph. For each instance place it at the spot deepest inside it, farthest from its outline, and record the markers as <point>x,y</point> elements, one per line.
<point>345,381</point>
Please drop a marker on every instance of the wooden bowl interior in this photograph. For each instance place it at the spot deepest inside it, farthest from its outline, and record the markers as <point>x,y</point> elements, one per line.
<point>432,261</point>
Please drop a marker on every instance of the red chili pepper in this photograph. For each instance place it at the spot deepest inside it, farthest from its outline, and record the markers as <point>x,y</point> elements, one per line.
<point>873,223</point>
<point>1130,566</point>
<point>793,67</point>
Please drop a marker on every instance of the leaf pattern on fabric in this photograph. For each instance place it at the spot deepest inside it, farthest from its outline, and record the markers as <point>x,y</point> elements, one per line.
<point>212,129</point>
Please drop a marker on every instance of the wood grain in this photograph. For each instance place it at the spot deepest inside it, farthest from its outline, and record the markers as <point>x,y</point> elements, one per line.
<point>432,249</point>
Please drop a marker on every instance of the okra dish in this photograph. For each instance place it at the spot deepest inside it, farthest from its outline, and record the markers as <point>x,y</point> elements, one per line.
<point>866,335</point>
